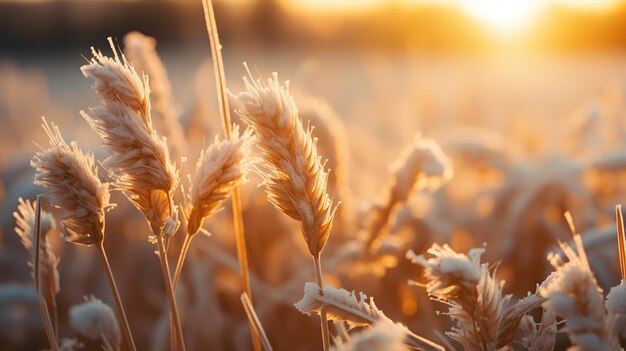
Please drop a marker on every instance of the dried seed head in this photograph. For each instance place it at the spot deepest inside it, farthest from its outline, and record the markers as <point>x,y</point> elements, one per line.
<point>25,218</point>
<point>449,273</point>
<point>71,178</point>
<point>137,153</point>
<point>473,295</point>
<point>293,172</point>
<point>616,306</point>
<point>384,335</point>
<point>574,294</point>
<point>222,166</point>
<point>94,319</point>
<point>116,80</point>
<point>421,164</point>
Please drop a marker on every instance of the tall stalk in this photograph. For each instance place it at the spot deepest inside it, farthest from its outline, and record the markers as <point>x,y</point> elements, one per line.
<point>323,318</point>
<point>181,259</point>
<point>218,66</point>
<point>43,308</point>
<point>128,337</point>
<point>167,278</point>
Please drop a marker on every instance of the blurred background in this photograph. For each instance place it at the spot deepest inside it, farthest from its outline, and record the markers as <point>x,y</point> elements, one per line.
<point>528,98</point>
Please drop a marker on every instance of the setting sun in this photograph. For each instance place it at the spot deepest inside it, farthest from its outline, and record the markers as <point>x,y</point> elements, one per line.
<point>502,16</point>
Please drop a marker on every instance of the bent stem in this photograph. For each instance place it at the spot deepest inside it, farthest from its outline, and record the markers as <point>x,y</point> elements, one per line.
<point>254,320</point>
<point>128,336</point>
<point>323,319</point>
<point>167,278</point>
<point>220,81</point>
<point>43,308</point>
<point>181,260</point>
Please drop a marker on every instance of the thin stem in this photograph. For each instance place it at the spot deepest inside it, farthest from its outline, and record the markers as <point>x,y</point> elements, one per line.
<point>220,81</point>
<point>323,319</point>
<point>381,218</point>
<point>181,259</point>
<point>254,320</point>
<point>43,308</point>
<point>621,240</point>
<point>167,278</point>
<point>128,336</point>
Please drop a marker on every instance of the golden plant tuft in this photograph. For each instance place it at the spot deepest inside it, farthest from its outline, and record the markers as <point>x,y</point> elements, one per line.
<point>293,172</point>
<point>71,178</point>
<point>146,174</point>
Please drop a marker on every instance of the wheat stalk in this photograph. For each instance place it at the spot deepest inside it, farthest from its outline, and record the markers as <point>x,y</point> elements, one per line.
<point>254,320</point>
<point>293,173</point>
<point>71,177</point>
<point>616,298</point>
<point>43,308</point>
<point>222,98</point>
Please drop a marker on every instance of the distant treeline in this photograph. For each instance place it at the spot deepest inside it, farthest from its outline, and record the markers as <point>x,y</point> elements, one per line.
<point>32,26</point>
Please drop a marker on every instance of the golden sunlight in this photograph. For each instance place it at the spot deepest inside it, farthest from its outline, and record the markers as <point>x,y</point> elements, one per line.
<point>502,16</point>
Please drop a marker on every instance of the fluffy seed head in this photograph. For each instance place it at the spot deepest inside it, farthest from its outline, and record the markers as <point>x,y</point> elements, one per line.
<point>616,306</point>
<point>293,172</point>
<point>449,273</point>
<point>384,335</point>
<point>94,319</point>
<point>116,80</point>
<point>71,178</point>
<point>222,166</point>
<point>25,219</point>
<point>574,294</point>
<point>474,296</point>
<point>422,163</point>
<point>138,155</point>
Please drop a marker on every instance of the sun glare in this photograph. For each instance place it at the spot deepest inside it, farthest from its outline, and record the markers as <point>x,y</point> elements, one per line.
<point>502,16</point>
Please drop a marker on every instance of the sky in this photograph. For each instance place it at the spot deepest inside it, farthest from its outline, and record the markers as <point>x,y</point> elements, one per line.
<point>506,15</point>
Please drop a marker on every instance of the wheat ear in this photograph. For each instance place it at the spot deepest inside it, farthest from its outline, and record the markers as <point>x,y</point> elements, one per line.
<point>221,167</point>
<point>71,177</point>
<point>422,164</point>
<point>342,305</point>
<point>146,175</point>
<point>574,294</point>
<point>293,173</point>
<point>474,297</point>
<point>222,97</point>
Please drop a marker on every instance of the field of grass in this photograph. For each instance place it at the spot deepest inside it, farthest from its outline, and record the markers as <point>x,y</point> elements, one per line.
<point>471,198</point>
